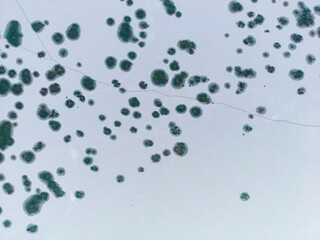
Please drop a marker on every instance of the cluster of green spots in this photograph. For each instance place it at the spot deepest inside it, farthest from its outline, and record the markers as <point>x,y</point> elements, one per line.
<point>213,88</point>
<point>245,73</point>
<point>32,228</point>
<point>79,95</point>
<point>27,156</point>
<point>80,133</point>
<point>270,69</point>
<point>174,65</point>
<point>13,33</point>
<point>26,183</point>
<point>73,32</point>
<point>244,196</point>
<point>187,45</point>
<point>48,179</point>
<point>8,188</point>
<point>33,204</point>
<point>147,143</point>
<point>63,52</point>
<point>37,26</point>
<point>125,32</point>
<point>56,71</point>
<point>175,130</point>
<point>180,149</point>
<point>159,77</point>
<point>296,74</point>
<point>310,59</point>
<point>249,41</point>
<point>170,8</point>
<point>195,80</point>
<point>79,194</point>
<point>6,132</point>
<point>235,7</point>
<point>61,171</point>
<point>304,16</point>
<point>88,83</point>
<point>179,79</point>
<point>297,38</point>
<point>241,87</point>
<point>125,65</point>
<point>7,223</point>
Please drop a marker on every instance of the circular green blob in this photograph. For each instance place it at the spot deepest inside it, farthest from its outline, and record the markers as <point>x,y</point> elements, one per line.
<point>244,196</point>
<point>155,158</point>
<point>147,143</point>
<point>79,133</point>
<point>134,102</point>
<point>25,76</point>
<point>174,66</point>
<point>4,86</point>
<point>140,13</point>
<point>54,88</point>
<point>204,98</point>
<point>213,88</point>
<point>12,115</point>
<point>171,51</point>
<point>110,21</point>
<point>159,77</point>
<point>17,89</point>
<point>79,194</point>
<point>155,114</point>
<point>296,74</point>
<point>88,83</point>
<point>125,32</point>
<point>43,112</point>
<point>180,149</point>
<point>57,38</point>
<point>27,156</point>
<point>120,178</point>
<point>195,112</point>
<point>136,115</point>
<point>73,32</point>
<point>247,128</point>
<point>63,52</point>
<point>125,111</point>
<point>181,108</point>
<point>8,188</point>
<point>61,171</point>
<point>69,103</point>
<point>132,55</point>
<point>32,228</point>
<point>54,125</point>
<point>110,62</point>
<point>13,33</point>
<point>125,65</point>
<point>37,26</point>
<point>87,160</point>
<point>7,223</point>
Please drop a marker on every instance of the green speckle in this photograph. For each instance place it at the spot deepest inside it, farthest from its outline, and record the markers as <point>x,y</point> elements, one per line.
<point>69,103</point>
<point>88,83</point>
<point>27,156</point>
<point>47,178</point>
<point>247,128</point>
<point>43,112</point>
<point>178,80</point>
<point>187,45</point>
<point>120,178</point>
<point>6,132</point>
<point>204,98</point>
<point>181,108</point>
<point>125,33</point>
<point>134,102</point>
<point>73,32</point>
<point>180,149</point>
<point>169,6</point>
<point>140,13</point>
<point>244,196</point>
<point>57,38</point>
<point>54,125</point>
<point>32,228</point>
<point>159,77</point>
<point>33,204</point>
<point>39,146</point>
<point>195,112</point>
<point>61,171</point>
<point>174,66</point>
<point>296,74</point>
<point>79,194</point>
<point>25,76</point>
<point>304,16</point>
<point>125,65</point>
<point>110,62</point>
<point>8,188</point>
<point>17,89</point>
<point>235,7</point>
<point>13,33</point>
<point>147,143</point>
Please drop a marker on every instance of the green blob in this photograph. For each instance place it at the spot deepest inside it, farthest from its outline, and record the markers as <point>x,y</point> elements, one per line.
<point>73,32</point>
<point>147,143</point>
<point>159,77</point>
<point>245,73</point>
<point>174,66</point>
<point>2,157</point>
<point>136,115</point>
<point>61,171</point>
<point>204,98</point>
<point>125,33</point>
<point>57,38</point>
<point>25,76</point>
<point>304,16</point>
<point>39,146</point>
<point>213,88</point>
<point>88,83</point>
<point>247,128</point>
<point>33,204</point>
<point>155,158</point>
<point>180,149</point>
<point>54,88</point>
<point>296,74</point>
<point>26,183</point>
<point>13,33</point>
<point>178,80</point>
<point>27,156</point>
<point>43,112</point>
<point>244,196</point>
<point>110,21</point>
<point>37,26</point>
<point>79,194</point>
<point>175,130</point>
<point>110,62</point>
<point>69,103</point>
<point>169,6</point>
<point>132,55</point>
<point>6,132</point>
<point>125,65</point>
<point>120,178</point>
<point>54,125</point>
<point>187,45</point>
<point>32,228</point>
<point>7,223</point>
<point>63,52</point>
<point>171,51</point>
<point>67,138</point>
<point>8,188</point>
<point>235,7</point>
<point>48,179</point>
<point>195,112</point>
<point>79,133</point>
<point>140,13</point>
<point>134,102</point>
<point>17,89</point>
<point>4,87</point>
